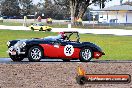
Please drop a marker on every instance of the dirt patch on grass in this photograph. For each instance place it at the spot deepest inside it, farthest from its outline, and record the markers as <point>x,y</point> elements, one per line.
<point>57,75</point>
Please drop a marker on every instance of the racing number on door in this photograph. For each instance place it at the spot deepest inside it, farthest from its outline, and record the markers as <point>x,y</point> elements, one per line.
<point>68,50</point>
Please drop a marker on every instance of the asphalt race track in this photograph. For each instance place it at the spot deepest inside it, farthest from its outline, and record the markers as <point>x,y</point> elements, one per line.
<point>53,73</point>
<point>8,60</point>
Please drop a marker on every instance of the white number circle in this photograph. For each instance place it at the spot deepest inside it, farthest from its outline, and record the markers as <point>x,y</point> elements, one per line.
<point>68,50</point>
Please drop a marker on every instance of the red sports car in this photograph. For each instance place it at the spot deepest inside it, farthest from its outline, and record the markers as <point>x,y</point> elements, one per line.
<point>61,46</point>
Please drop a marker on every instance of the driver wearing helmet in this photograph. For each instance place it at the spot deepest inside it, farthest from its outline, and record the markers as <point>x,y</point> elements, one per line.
<point>61,35</point>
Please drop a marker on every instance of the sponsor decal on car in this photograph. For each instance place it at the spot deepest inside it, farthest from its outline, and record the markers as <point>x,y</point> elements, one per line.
<point>83,78</point>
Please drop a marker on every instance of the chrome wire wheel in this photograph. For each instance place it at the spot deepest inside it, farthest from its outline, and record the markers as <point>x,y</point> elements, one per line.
<point>86,54</point>
<point>35,53</point>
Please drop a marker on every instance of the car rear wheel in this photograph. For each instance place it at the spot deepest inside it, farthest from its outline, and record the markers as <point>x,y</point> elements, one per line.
<point>16,58</point>
<point>86,54</point>
<point>41,29</point>
<point>35,54</point>
<point>32,28</point>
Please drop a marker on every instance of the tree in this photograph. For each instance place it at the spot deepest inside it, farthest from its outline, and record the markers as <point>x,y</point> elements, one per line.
<point>26,7</point>
<point>48,8</point>
<point>10,8</point>
<point>1,1</point>
<point>55,10</point>
<point>64,6</point>
<point>79,7</point>
<point>128,3</point>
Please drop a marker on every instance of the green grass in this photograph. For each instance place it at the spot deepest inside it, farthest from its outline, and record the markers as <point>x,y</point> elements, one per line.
<point>6,35</point>
<point>58,25</point>
<point>104,27</point>
<point>65,25</point>
<point>115,47</point>
<point>28,24</point>
<point>11,24</point>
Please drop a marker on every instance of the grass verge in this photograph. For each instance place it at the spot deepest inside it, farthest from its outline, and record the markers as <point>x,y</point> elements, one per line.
<point>11,24</point>
<point>65,25</point>
<point>115,47</point>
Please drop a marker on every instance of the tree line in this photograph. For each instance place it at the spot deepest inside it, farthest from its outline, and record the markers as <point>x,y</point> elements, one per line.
<point>48,8</point>
<point>57,9</point>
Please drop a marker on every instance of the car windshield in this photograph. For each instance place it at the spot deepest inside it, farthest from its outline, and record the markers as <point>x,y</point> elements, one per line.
<point>52,38</point>
<point>38,24</point>
<point>72,36</point>
<point>49,39</point>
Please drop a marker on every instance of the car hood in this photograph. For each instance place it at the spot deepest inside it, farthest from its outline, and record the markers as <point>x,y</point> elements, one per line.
<point>13,42</point>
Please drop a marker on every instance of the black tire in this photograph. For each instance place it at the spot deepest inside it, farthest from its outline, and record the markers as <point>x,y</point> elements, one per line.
<point>49,29</point>
<point>35,54</point>
<point>41,29</point>
<point>66,60</point>
<point>86,51</point>
<point>32,28</point>
<point>16,58</point>
<point>81,80</point>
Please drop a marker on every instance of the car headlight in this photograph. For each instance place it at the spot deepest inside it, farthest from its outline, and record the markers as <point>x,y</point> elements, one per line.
<point>20,44</point>
<point>23,44</point>
<point>8,43</point>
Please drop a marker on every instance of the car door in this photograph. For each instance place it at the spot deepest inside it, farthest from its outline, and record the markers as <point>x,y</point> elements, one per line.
<point>52,49</point>
<point>61,49</point>
<point>35,26</point>
<point>69,50</point>
<point>58,49</point>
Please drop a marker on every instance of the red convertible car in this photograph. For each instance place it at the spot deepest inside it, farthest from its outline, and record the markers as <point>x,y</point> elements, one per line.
<point>58,47</point>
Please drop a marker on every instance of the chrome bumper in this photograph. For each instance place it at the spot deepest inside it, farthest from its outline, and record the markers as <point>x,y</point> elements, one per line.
<point>13,51</point>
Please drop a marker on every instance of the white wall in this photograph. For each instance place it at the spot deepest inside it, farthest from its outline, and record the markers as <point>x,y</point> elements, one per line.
<point>129,17</point>
<point>121,16</point>
<point>103,17</point>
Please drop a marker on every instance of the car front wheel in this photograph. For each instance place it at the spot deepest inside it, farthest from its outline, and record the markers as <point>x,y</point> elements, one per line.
<point>32,28</point>
<point>49,29</point>
<point>35,54</point>
<point>16,58</point>
<point>86,54</point>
